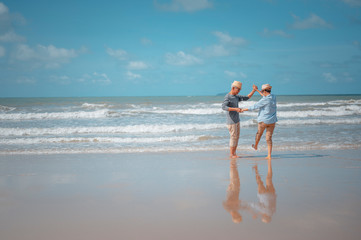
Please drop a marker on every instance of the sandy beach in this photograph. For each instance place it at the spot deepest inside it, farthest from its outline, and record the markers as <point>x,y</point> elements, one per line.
<point>185,195</point>
<point>118,120</point>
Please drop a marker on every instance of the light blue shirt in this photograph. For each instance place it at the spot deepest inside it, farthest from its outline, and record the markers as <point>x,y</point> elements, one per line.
<point>267,109</point>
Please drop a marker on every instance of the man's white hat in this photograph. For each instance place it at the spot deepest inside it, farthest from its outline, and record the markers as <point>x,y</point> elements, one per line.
<point>237,84</point>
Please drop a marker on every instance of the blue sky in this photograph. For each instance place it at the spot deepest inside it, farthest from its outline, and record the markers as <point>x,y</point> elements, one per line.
<point>178,47</point>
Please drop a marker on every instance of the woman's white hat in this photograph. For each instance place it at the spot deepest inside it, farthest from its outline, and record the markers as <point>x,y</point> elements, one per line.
<point>266,86</point>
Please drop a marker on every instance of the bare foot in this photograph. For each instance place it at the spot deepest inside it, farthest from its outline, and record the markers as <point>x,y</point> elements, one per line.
<point>268,157</point>
<point>234,156</point>
<point>254,147</point>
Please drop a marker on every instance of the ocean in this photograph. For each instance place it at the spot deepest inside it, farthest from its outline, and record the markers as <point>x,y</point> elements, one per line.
<point>168,124</point>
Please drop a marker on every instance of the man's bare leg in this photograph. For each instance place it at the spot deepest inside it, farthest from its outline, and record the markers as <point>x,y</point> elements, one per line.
<point>233,152</point>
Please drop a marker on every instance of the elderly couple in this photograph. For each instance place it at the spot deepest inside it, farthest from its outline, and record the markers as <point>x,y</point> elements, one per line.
<point>267,115</point>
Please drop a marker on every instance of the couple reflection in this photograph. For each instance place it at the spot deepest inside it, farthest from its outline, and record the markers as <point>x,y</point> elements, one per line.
<point>266,205</point>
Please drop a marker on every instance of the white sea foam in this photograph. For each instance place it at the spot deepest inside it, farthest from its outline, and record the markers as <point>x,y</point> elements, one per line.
<point>336,111</point>
<point>94,105</point>
<point>290,105</point>
<point>160,128</point>
<point>55,115</point>
<point>26,141</point>
<point>322,112</point>
<point>110,150</point>
<point>328,103</point>
<point>174,148</point>
<point>343,102</point>
<point>200,111</point>
<point>134,129</point>
<point>287,122</point>
<point>6,108</point>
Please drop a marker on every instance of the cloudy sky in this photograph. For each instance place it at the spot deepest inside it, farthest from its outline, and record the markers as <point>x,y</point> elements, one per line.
<point>178,47</point>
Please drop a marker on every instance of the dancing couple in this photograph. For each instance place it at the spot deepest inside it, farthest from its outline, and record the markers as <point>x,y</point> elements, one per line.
<point>267,115</point>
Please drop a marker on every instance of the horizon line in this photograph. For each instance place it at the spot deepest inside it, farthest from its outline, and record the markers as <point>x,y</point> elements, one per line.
<point>216,95</point>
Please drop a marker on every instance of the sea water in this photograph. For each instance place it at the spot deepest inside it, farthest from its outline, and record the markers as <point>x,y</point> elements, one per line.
<point>165,124</point>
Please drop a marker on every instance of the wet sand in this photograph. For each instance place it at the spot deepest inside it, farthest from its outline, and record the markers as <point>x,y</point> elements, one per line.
<point>202,195</point>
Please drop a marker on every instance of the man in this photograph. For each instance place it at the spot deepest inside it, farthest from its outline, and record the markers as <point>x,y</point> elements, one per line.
<point>230,104</point>
<point>267,117</point>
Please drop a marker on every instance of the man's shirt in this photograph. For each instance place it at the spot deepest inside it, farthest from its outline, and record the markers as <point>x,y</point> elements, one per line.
<point>231,101</point>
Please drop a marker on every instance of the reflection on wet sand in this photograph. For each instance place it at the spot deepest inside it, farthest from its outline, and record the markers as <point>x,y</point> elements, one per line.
<point>266,205</point>
<point>233,203</point>
<point>264,208</point>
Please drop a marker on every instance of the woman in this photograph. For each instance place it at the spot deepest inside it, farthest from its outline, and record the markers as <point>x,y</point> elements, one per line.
<point>267,117</point>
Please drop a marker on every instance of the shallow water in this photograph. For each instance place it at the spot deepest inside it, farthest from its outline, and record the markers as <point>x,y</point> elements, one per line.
<point>163,124</point>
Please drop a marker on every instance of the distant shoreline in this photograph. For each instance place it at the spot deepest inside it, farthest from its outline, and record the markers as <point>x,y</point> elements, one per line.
<point>217,95</point>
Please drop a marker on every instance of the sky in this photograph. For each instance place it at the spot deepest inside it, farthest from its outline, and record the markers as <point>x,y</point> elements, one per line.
<point>178,47</point>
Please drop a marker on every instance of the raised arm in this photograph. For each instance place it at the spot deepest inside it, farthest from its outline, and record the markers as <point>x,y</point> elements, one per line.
<point>256,89</point>
<point>252,92</point>
<point>260,93</point>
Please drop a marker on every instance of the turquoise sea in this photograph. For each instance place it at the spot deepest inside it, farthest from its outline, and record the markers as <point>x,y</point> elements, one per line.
<point>164,124</point>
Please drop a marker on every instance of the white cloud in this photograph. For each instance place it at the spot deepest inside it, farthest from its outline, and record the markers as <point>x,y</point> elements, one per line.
<point>329,77</point>
<point>226,46</point>
<point>8,20</point>
<point>235,75</point>
<point>146,41</point>
<point>353,3</point>
<point>217,50</point>
<point>341,77</point>
<point>225,38</point>
<point>184,5</point>
<point>63,80</point>
<point>44,56</point>
<point>347,77</point>
<point>131,75</point>
<point>281,33</point>
<point>25,80</point>
<point>95,78</point>
<point>2,51</point>
<point>357,44</point>
<point>24,52</point>
<point>137,65</point>
<point>230,74</point>
<point>3,9</point>
<point>51,52</point>
<point>313,21</point>
<point>242,75</point>
<point>101,78</point>
<point>120,54</point>
<point>11,36</point>
<point>182,59</point>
